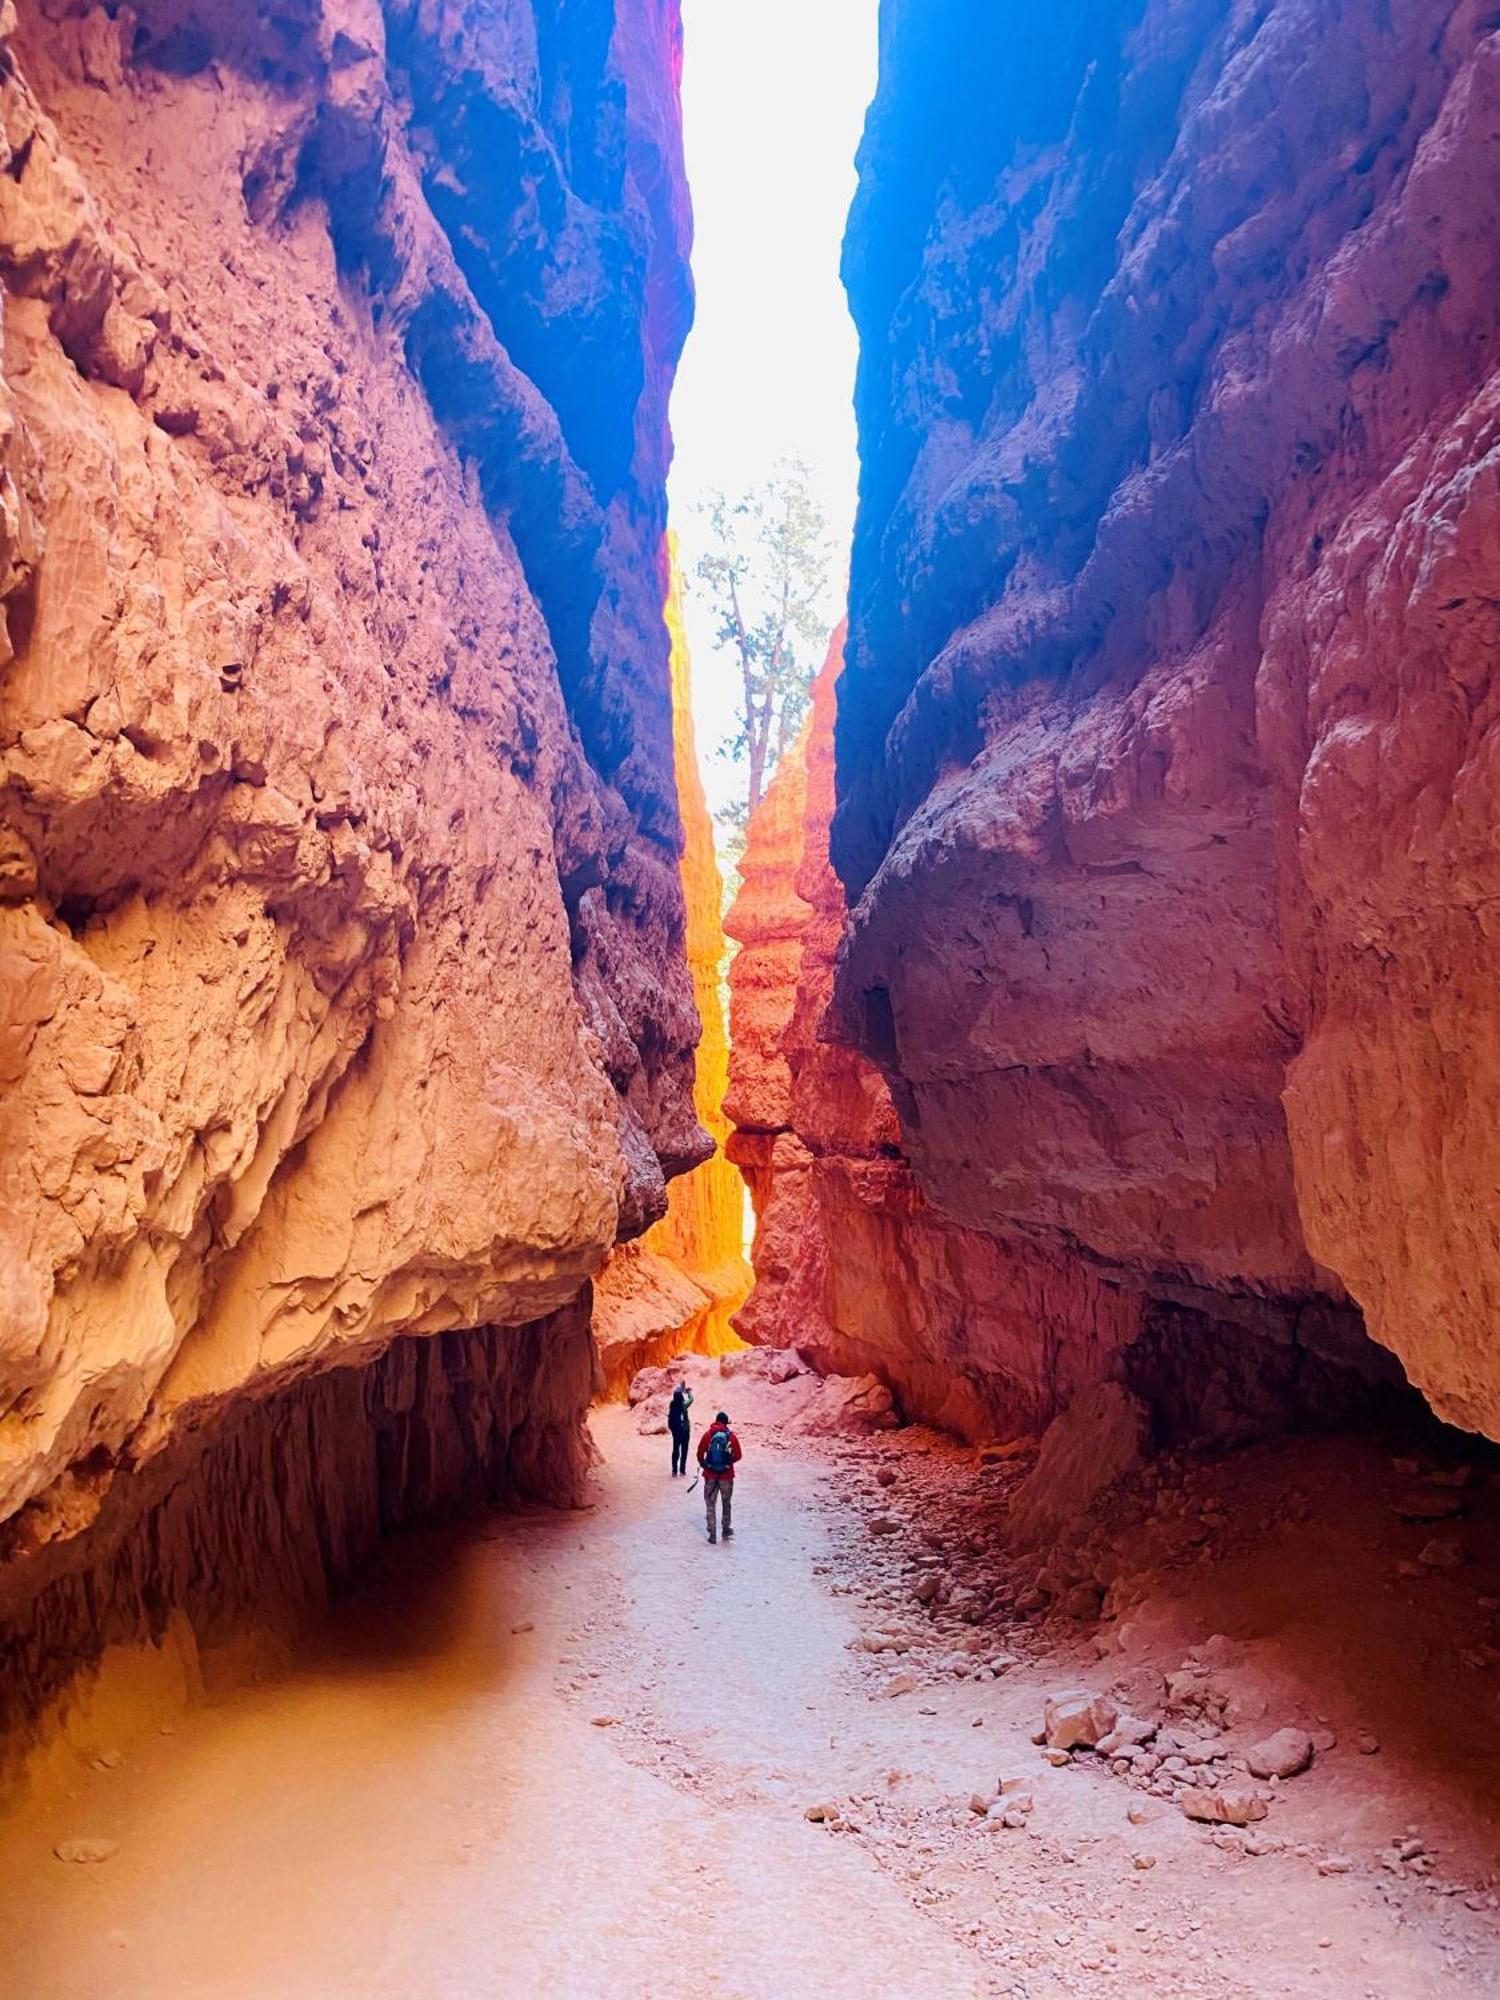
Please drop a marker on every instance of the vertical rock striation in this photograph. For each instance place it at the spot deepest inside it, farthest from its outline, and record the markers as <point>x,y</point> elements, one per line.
<point>342,985</point>
<point>1167,735</point>
<point>676,1289</point>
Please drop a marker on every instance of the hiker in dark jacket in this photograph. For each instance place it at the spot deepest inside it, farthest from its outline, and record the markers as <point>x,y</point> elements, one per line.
<point>680,1424</point>
<point>718,1455</point>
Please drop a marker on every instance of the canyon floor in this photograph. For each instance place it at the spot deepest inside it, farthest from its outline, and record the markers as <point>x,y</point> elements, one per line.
<point>574,1754</point>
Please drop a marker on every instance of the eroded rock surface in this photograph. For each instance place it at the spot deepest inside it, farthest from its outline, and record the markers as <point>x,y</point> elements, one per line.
<point>1167,736</point>
<point>342,986</point>
<point>852,1264</point>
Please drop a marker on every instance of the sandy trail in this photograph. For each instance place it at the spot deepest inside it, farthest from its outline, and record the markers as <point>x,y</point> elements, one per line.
<point>424,1811</point>
<point>559,1755</point>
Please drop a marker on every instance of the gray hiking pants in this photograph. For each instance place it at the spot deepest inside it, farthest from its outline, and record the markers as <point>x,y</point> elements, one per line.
<point>715,1485</point>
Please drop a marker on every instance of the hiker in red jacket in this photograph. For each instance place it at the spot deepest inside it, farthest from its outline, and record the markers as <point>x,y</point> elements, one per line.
<point>718,1455</point>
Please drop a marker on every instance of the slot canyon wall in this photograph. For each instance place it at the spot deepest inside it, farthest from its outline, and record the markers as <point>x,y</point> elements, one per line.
<point>1167,733</point>
<point>677,1288</point>
<point>343,997</point>
<point>852,1264</point>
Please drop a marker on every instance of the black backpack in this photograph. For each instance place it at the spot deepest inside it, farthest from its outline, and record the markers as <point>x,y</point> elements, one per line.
<point>720,1454</point>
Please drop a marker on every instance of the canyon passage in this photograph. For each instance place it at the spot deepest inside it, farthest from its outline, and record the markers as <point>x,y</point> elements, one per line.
<point>1108,1059</point>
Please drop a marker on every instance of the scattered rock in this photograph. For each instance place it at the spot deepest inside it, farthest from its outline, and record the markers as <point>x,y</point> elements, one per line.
<point>884,1525</point>
<point>885,1476</point>
<point>1226,1808</point>
<point>602,1721</point>
<point>1366,1742</point>
<point>86,1850</point>
<point>899,1684</point>
<point>1143,1861</point>
<point>1128,1732</point>
<point>927,1587</point>
<point>1429,1503</point>
<point>1442,1552</point>
<point>1281,1755</point>
<point>1077,1720</point>
<point>820,1813</point>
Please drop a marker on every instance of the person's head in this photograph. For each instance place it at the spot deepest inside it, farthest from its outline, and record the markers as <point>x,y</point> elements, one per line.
<point>722,1417</point>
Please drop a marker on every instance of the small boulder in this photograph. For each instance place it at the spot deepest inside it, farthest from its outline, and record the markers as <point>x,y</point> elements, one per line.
<point>1442,1552</point>
<point>1225,1808</point>
<point>885,1476</point>
<point>1076,1720</point>
<point>1429,1503</point>
<point>86,1851</point>
<point>1281,1755</point>
<point>900,1684</point>
<point>1128,1733</point>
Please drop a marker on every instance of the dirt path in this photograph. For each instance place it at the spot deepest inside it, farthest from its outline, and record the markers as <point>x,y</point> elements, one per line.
<point>573,1755</point>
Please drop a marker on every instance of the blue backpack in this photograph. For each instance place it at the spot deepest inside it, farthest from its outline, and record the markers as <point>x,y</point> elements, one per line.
<point>720,1454</point>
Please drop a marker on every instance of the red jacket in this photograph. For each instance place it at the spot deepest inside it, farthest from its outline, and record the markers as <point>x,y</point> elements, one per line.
<point>735,1453</point>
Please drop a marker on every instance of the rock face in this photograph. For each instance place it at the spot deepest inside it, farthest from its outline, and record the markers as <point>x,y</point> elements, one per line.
<point>852,1264</point>
<point>342,985</point>
<point>676,1290</point>
<point>1167,740</point>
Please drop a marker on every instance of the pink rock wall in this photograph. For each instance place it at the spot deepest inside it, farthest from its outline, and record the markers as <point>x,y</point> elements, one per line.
<point>342,984</point>
<point>1165,741</point>
<point>852,1264</point>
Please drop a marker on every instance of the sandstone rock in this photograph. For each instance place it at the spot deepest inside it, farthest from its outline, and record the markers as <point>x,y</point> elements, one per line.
<point>900,1684</point>
<point>1430,1504</point>
<point>1162,830</point>
<point>1442,1552</point>
<point>1099,1438</point>
<point>840,1222</point>
<point>1225,1808</point>
<point>86,1850</point>
<point>1078,1720</point>
<point>1129,1731</point>
<point>1280,1755</point>
<point>343,997</point>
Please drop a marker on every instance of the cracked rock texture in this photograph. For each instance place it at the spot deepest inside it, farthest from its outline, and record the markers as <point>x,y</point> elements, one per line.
<point>1167,740</point>
<point>342,984</point>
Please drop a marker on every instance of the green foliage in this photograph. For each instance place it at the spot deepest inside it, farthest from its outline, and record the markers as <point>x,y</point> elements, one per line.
<point>767,570</point>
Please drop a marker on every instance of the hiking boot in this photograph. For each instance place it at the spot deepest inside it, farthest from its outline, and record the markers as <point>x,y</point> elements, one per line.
<point>712,1536</point>
<point>729,1534</point>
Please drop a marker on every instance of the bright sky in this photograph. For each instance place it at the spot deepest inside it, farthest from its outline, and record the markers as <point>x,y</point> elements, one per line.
<point>774,96</point>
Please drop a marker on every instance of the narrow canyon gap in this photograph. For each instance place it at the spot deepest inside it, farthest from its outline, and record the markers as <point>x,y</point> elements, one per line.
<point>1115,1602</point>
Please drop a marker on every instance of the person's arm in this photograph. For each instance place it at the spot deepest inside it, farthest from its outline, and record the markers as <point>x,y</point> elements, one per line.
<point>734,1449</point>
<point>702,1447</point>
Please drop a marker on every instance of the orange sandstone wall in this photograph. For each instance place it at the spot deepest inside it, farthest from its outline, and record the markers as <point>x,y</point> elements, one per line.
<point>343,990</point>
<point>677,1289</point>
